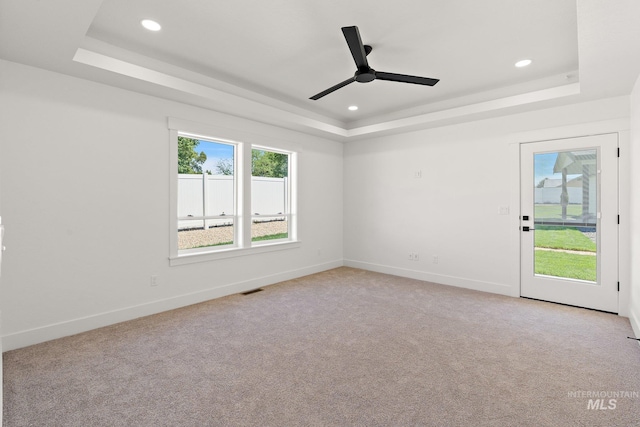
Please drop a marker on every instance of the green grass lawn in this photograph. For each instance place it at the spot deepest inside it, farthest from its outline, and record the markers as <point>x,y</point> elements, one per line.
<point>562,264</point>
<point>555,211</point>
<point>270,237</point>
<point>559,237</point>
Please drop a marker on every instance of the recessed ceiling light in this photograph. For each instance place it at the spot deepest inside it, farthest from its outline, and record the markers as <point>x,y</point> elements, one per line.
<point>353,107</point>
<point>150,25</point>
<point>523,63</point>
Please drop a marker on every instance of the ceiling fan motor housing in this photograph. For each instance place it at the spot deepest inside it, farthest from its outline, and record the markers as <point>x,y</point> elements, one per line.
<point>365,76</point>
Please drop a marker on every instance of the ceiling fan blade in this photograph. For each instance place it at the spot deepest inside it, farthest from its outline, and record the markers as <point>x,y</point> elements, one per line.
<point>406,79</point>
<point>333,88</point>
<point>352,35</point>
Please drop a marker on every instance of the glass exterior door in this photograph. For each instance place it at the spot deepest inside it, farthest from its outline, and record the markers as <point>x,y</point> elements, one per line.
<point>569,221</point>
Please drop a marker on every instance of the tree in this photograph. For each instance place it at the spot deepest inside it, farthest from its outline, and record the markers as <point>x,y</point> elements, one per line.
<point>189,160</point>
<point>225,167</point>
<point>263,163</point>
<point>269,164</point>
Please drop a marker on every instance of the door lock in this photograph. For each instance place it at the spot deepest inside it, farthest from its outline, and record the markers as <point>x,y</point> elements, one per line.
<point>527,228</point>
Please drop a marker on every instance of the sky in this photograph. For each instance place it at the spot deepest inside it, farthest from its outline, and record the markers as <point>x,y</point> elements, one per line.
<point>215,152</point>
<point>543,166</point>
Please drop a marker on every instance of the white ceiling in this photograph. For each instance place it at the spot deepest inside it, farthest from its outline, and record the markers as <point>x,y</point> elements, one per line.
<point>264,59</point>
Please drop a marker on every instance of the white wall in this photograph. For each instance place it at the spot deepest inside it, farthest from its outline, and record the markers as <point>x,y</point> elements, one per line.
<point>468,173</point>
<point>89,261</point>
<point>634,312</point>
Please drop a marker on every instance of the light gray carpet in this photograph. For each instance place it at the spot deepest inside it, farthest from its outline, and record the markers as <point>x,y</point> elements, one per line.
<point>341,348</point>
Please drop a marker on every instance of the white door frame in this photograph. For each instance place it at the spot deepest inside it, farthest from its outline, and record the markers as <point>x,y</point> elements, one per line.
<point>602,295</point>
<point>621,126</point>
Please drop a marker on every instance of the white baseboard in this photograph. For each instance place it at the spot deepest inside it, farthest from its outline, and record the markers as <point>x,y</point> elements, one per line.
<point>75,326</point>
<point>477,285</point>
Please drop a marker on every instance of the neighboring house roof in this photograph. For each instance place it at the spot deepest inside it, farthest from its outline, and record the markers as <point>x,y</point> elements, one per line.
<point>552,183</point>
<point>575,182</point>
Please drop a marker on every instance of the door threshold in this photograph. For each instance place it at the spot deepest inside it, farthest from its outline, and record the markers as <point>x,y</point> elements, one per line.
<point>569,305</point>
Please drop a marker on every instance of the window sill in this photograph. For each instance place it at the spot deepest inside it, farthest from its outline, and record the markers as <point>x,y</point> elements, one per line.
<point>232,253</point>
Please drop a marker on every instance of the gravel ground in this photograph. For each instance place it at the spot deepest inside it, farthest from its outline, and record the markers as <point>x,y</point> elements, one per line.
<point>196,238</point>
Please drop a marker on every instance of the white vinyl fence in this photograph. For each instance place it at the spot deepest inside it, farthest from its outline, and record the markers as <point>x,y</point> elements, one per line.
<point>551,195</point>
<point>576,196</point>
<point>213,195</point>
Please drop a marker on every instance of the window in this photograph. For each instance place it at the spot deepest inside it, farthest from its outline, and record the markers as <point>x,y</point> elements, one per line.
<point>228,197</point>
<point>206,197</point>
<point>269,195</point>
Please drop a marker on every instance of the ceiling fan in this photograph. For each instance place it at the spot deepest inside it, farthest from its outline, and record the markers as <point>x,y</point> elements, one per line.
<point>364,73</point>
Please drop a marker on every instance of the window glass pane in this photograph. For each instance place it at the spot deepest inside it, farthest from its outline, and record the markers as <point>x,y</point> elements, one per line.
<point>565,214</point>
<point>206,193</point>
<point>269,195</point>
<point>269,228</point>
<point>269,164</point>
<point>217,235</point>
<point>190,200</point>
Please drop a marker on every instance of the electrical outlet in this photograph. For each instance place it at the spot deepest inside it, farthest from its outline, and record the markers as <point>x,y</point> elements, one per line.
<point>410,256</point>
<point>435,259</point>
<point>417,174</point>
<point>154,280</point>
<point>416,257</point>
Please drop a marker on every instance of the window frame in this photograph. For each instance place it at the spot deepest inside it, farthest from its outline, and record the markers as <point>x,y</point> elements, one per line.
<point>243,142</point>
<point>234,217</point>
<point>287,212</point>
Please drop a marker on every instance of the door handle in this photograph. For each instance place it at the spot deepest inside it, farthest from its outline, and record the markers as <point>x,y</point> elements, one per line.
<point>527,228</point>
